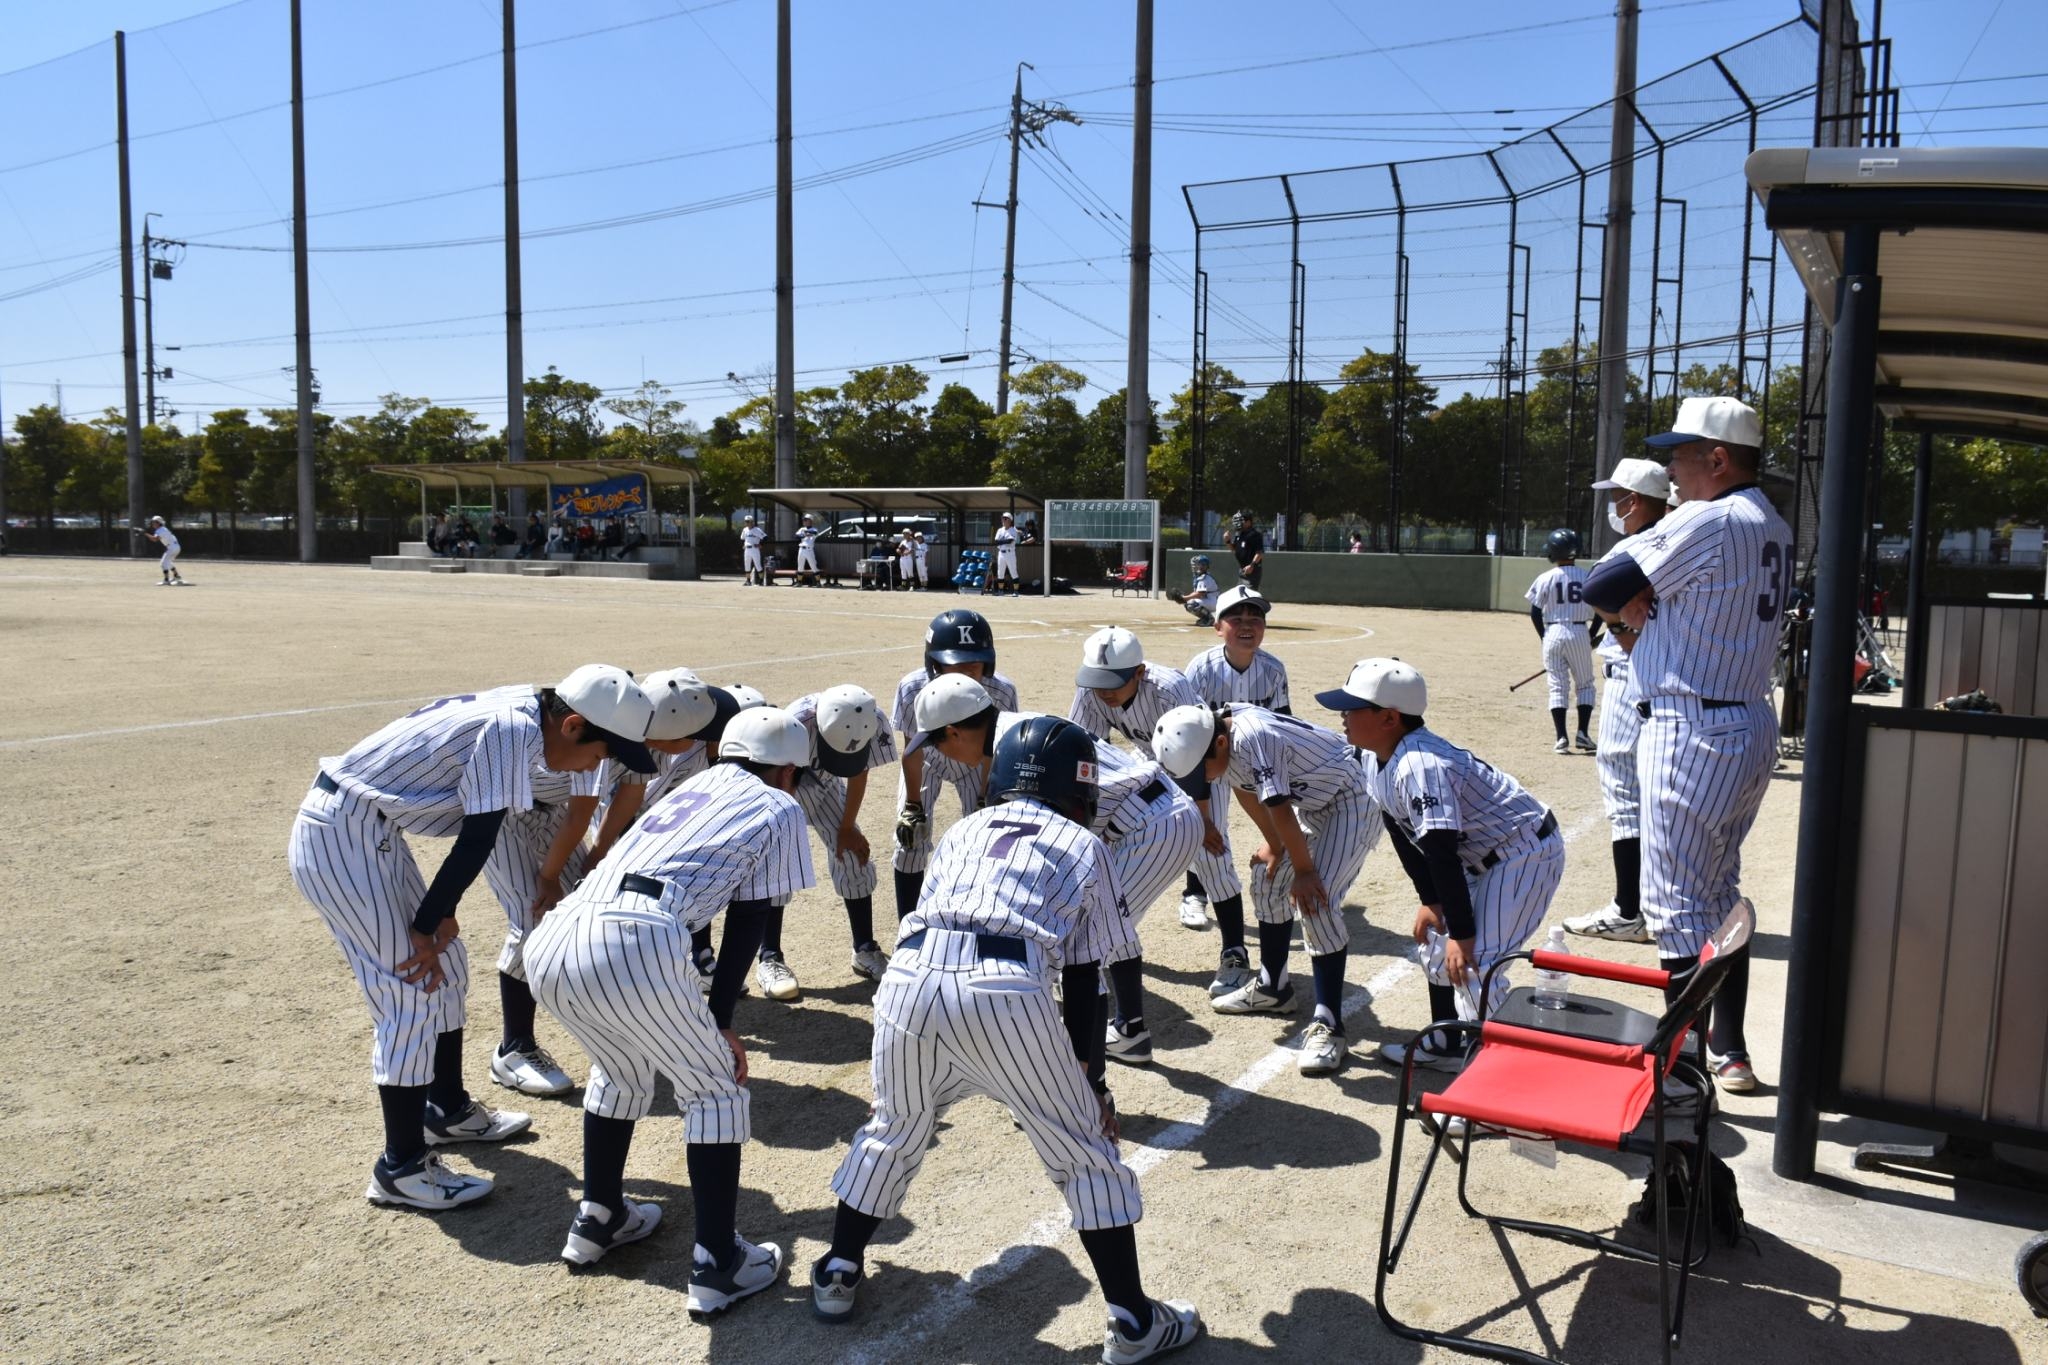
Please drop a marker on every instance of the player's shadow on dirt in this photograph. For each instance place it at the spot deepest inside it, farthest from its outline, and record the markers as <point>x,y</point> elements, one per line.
<point>1320,1324</point>
<point>1316,1138</point>
<point>794,1033</point>
<point>808,1118</point>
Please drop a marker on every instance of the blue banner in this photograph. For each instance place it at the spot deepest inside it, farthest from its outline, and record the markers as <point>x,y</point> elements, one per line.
<point>610,498</point>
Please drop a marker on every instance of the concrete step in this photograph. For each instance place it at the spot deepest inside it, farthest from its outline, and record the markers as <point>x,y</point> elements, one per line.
<point>414,549</point>
<point>447,566</point>
<point>541,570</point>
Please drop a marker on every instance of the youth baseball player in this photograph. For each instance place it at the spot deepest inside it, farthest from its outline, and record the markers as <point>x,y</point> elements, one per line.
<point>921,552</point>
<point>1018,892</point>
<point>612,964</point>
<point>455,766</point>
<point>906,560</point>
<point>1151,828</point>
<point>957,641</point>
<point>1559,612</point>
<point>162,535</point>
<point>1705,589</point>
<point>1484,855</point>
<point>1300,786</point>
<point>1638,494</point>
<point>1237,670</point>
<point>1200,598</point>
<point>751,538</point>
<point>1117,690</point>
<point>1006,555</point>
<point>848,740</point>
<point>807,552</point>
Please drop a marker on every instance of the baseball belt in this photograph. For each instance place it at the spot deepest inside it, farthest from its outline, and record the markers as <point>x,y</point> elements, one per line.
<point>1004,946</point>
<point>1706,704</point>
<point>643,886</point>
<point>1543,831</point>
<point>327,784</point>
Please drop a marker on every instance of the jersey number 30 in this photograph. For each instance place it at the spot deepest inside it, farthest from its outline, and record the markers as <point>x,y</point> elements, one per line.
<point>1770,603</point>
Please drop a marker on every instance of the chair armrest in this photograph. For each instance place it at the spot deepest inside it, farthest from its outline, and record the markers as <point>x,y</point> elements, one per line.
<point>1546,961</point>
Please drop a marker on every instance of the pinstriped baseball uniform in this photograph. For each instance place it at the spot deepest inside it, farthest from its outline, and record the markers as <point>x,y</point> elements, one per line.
<point>613,965</point>
<point>513,869</point>
<point>1512,865</point>
<point>1145,847</point>
<point>1160,690</point>
<point>750,548</point>
<point>938,769</point>
<point>1567,646</point>
<point>1263,684</point>
<point>1280,758</point>
<point>466,755</point>
<point>806,549</point>
<point>1721,570</point>
<point>1620,727</point>
<point>823,798</point>
<point>953,1020</point>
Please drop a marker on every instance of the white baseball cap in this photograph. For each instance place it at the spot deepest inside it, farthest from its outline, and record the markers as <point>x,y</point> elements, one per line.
<point>1646,477</point>
<point>747,698</point>
<point>1728,421</point>
<point>1387,684</point>
<point>1182,738</point>
<point>848,721</point>
<point>1109,658</point>
<point>614,708</point>
<point>947,700</point>
<point>1243,595</point>
<point>683,704</point>
<point>768,735</point>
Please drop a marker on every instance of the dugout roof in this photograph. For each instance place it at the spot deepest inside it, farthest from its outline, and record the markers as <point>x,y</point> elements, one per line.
<point>454,474</point>
<point>1962,344</point>
<point>879,500</point>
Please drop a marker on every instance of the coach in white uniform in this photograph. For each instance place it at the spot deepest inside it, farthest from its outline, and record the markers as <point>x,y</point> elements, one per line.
<point>1006,555</point>
<point>1705,589</point>
<point>1018,893</point>
<point>1148,823</point>
<point>751,537</point>
<point>612,963</point>
<point>1484,856</point>
<point>455,766</point>
<point>1638,495</point>
<point>807,550</point>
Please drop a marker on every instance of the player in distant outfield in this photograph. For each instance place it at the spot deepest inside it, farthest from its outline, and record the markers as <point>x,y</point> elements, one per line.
<point>161,534</point>
<point>1559,612</point>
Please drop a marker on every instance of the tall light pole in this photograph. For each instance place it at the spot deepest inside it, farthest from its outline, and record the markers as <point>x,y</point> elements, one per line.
<point>515,317</point>
<point>132,386</point>
<point>785,279</point>
<point>309,515</point>
<point>1137,398</point>
<point>1611,395</point>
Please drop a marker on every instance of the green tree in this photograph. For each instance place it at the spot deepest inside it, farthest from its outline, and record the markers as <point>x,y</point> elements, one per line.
<point>226,462</point>
<point>562,421</point>
<point>959,449</point>
<point>738,452</point>
<point>274,482</point>
<point>382,437</point>
<point>42,453</point>
<point>1453,472</point>
<point>1100,471</point>
<point>97,481</point>
<point>876,425</point>
<point>1170,467</point>
<point>1344,464</point>
<point>1041,435</point>
<point>652,425</point>
<point>438,435</point>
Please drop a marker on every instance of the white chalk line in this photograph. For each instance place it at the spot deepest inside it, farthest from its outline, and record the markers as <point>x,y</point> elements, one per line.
<point>1169,1142</point>
<point>210,720</point>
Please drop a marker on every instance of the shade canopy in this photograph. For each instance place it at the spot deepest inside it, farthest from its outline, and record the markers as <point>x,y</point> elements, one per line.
<point>454,474</point>
<point>1962,343</point>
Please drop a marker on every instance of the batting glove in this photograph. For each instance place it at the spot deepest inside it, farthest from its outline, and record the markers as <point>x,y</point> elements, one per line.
<point>908,824</point>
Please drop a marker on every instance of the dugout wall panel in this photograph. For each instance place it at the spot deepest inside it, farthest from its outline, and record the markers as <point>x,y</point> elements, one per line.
<point>2001,647</point>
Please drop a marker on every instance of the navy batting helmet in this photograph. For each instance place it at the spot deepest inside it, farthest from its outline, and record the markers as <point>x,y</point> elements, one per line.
<point>1200,562</point>
<point>959,637</point>
<point>1561,544</point>
<point>1050,760</point>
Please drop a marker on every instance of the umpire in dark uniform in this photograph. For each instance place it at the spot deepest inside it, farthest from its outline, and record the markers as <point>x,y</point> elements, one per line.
<point>1249,545</point>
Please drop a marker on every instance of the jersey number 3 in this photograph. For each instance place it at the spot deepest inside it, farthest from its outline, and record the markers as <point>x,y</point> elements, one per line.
<point>672,812</point>
<point>1771,601</point>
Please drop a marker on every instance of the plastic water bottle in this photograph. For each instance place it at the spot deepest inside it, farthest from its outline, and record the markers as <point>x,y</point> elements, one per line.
<point>1553,989</point>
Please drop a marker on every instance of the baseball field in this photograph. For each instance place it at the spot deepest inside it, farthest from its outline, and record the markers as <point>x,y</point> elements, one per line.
<point>188,1118</point>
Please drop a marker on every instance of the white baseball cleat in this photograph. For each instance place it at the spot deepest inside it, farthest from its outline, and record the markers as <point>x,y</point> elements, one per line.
<point>833,1292</point>
<point>713,1290</point>
<point>1323,1050</point>
<point>1132,1049</point>
<point>476,1124</point>
<point>778,982</point>
<point>1585,743</point>
<point>424,1183</point>
<point>597,1230</point>
<point>1396,1054</point>
<point>1174,1325</point>
<point>870,961</point>
<point>1233,973</point>
<point>1194,912</point>
<point>1609,923</point>
<point>1733,1072</point>
<point>530,1071</point>
<point>1254,998</point>
<point>1563,746</point>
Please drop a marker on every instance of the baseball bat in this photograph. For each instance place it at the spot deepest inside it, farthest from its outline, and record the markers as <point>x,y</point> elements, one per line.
<point>1515,687</point>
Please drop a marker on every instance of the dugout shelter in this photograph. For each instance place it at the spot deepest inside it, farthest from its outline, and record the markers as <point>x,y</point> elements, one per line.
<point>1919,921</point>
<point>964,519</point>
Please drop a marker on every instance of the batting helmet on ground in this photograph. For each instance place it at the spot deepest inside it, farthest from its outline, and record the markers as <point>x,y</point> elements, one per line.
<point>959,636</point>
<point>1561,544</point>
<point>1050,760</point>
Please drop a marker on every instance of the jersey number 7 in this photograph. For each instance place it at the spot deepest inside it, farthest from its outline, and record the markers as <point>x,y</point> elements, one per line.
<point>1018,829</point>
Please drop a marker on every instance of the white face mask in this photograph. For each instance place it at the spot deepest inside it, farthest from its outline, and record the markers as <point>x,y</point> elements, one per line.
<point>1614,520</point>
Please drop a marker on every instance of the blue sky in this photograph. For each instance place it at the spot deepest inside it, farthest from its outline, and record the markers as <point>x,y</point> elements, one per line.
<point>670,108</point>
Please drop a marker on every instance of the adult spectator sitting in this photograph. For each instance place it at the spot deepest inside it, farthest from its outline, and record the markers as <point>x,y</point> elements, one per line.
<point>1357,546</point>
<point>536,537</point>
<point>586,540</point>
<point>503,537</point>
<point>614,536</point>
<point>632,539</point>
<point>559,540</point>
<point>466,542</point>
<point>440,537</point>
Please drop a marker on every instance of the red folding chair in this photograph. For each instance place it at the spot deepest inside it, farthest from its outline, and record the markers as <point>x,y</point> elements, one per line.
<point>1588,1074</point>
<point>1130,578</point>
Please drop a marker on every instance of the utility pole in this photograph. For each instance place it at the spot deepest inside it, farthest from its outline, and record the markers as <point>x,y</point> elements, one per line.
<point>1611,399</point>
<point>1137,396</point>
<point>134,397</point>
<point>309,512</point>
<point>515,317</point>
<point>1026,120</point>
<point>785,279</point>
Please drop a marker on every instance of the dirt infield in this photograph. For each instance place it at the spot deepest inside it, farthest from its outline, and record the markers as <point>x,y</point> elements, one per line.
<point>188,1118</point>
